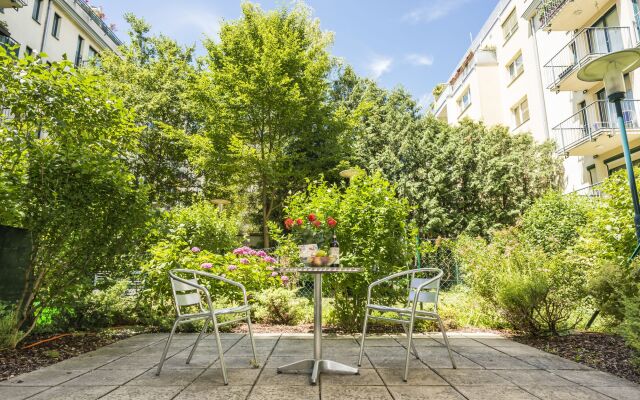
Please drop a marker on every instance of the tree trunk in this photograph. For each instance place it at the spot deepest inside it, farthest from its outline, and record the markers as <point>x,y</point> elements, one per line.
<point>265,219</point>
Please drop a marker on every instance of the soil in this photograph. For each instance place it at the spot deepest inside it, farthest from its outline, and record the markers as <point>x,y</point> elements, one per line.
<point>21,360</point>
<point>604,352</point>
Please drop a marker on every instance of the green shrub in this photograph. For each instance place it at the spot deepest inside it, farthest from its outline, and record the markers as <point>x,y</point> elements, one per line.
<point>282,306</point>
<point>630,328</point>
<point>203,225</point>
<point>8,336</point>
<point>535,292</point>
<point>460,307</point>
<point>373,233</point>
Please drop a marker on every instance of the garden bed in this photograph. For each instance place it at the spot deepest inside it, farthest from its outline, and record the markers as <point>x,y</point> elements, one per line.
<point>22,360</point>
<point>601,351</point>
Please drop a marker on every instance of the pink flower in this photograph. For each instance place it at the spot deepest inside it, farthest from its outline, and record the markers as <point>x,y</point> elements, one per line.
<point>232,267</point>
<point>244,261</point>
<point>261,253</point>
<point>252,252</point>
<point>206,265</point>
<point>269,259</point>
<point>284,279</point>
<point>195,249</point>
<point>270,268</point>
<point>244,250</point>
<point>274,274</point>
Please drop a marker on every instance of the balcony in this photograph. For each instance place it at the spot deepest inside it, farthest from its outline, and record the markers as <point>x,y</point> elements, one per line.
<point>10,45</point>
<point>590,43</point>
<point>567,15</point>
<point>12,3</point>
<point>84,5</point>
<point>592,130</point>
<point>593,191</point>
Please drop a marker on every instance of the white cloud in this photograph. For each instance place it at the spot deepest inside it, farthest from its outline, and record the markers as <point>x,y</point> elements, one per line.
<point>433,10</point>
<point>379,65</point>
<point>420,59</point>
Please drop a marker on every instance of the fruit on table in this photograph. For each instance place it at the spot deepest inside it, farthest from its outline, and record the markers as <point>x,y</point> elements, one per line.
<point>321,253</point>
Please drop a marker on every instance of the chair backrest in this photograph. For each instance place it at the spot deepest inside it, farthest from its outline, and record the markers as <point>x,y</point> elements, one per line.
<point>429,293</point>
<point>184,292</point>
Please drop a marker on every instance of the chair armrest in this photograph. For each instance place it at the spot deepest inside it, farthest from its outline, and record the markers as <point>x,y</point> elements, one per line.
<point>225,280</point>
<point>404,273</point>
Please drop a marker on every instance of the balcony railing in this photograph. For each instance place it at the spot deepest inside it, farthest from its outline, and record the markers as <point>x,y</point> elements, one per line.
<point>589,191</point>
<point>593,120</point>
<point>105,28</point>
<point>9,44</point>
<point>586,45</point>
<point>548,9</point>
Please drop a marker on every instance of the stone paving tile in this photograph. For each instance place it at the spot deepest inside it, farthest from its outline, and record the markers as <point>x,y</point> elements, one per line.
<point>49,376</point>
<point>533,377</point>
<point>236,376</point>
<point>201,359</point>
<point>366,377</point>
<point>574,392</point>
<point>593,378</point>
<point>620,392</point>
<point>497,361</point>
<point>181,377</point>
<point>377,342</point>
<point>74,393</point>
<point>425,392</point>
<point>19,392</point>
<point>355,393</point>
<point>417,377</point>
<point>550,361</point>
<point>132,362</point>
<point>473,377</point>
<point>84,363</point>
<point>439,358</point>
<point>105,377</point>
<point>201,391</point>
<point>464,342</point>
<point>270,377</point>
<point>235,362</point>
<point>143,393</point>
<point>289,393</point>
<point>494,393</point>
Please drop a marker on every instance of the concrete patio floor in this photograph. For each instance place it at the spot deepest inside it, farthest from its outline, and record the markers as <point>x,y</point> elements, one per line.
<point>489,367</point>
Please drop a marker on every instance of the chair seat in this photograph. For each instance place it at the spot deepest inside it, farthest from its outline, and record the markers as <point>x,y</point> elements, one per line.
<point>219,311</point>
<point>400,310</point>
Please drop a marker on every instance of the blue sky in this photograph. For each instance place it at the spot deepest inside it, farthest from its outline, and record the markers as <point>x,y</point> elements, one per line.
<point>415,44</point>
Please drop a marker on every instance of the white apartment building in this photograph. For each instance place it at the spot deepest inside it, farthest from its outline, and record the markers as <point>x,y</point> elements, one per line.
<point>521,72</point>
<point>60,28</point>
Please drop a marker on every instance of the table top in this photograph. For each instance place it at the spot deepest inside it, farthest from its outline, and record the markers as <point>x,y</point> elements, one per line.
<point>319,270</point>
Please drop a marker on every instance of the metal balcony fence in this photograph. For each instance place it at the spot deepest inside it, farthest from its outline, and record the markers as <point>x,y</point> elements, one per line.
<point>593,191</point>
<point>587,44</point>
<point>593,120</point>
<point>10,45</point>
<point>548,9</point>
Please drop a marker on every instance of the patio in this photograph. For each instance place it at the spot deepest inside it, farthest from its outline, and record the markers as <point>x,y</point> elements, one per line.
<point>489,367</point>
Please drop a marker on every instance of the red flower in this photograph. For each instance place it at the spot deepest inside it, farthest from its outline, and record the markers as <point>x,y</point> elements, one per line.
<point>312,217</point>
<point>317,223</point>
<point>332,222</point>
<point>288,223</point>
<point>299,221</point>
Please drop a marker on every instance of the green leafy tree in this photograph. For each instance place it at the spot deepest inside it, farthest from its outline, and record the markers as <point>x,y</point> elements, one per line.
<point>65,153</point>
<point>268,83</point>
<point>157,79</point>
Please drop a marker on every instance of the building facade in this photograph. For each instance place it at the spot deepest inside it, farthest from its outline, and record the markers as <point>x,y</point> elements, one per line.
<point>58,28</point>
<point>521,72</point>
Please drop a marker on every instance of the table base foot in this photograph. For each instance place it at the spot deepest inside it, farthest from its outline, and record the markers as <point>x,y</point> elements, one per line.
<point>316,367</point>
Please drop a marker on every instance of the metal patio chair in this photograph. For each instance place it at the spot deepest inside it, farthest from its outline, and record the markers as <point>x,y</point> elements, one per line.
<point>187,293</point>
<point>421,290</point>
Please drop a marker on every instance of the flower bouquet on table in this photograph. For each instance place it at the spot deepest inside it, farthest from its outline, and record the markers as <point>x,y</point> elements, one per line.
<point>316,239</point>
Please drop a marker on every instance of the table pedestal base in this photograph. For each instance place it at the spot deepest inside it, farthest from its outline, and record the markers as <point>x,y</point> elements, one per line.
<point>316,367</point>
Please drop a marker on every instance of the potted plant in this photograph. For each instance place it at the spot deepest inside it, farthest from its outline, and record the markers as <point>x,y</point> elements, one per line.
<point>313,235</point>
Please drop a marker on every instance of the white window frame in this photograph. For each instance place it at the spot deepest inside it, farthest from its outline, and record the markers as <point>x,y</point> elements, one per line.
<point>464,101</point>
<point>510,25</point>
<point>521,114</point>
<point>516,67</point>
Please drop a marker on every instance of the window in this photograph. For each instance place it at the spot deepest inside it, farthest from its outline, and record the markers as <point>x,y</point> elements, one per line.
<point>55,28</point>
<point>78,60</point>
<point>465,100</point>
<point>37,6</point>
<point>93,53</point>
<point>510,25</point>
<point>515,67</point>
<point>29,51</point>
<point>521,112</point>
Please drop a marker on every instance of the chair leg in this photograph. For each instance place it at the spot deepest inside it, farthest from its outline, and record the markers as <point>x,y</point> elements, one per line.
<point>364,334</point>
<point>413,345</point>
<point>446,341</point>
<point>406,362</point>
<point>253,344</point>
<point>166,347</point>
<point>220,352</point>
<point>195,345</point>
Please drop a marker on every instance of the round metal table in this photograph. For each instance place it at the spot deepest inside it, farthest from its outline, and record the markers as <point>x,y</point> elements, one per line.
<point>317,364</point>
